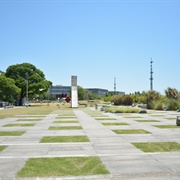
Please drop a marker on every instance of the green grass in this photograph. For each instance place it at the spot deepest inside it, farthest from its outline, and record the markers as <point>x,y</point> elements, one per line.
<point>62,166</point>
<point>38,109</point>
<point>66,117</point>
<point>61,139</point>
<point>158,146</point>
<point>65,121</point>
<point>167,126</point>
<point>122,109</point>
<point>131,131</point>
<point>170,118</point>
<point>18,125</point>
<point>11,133</point>
<point>132,117</point>
<point>157,115</point>
<point>2,148</point>
<point>147,121</point>
<point>65,127</point>
<point>115,124</point>
<point>29,119</point>
<point>97,115</point>
<point>105,118</point>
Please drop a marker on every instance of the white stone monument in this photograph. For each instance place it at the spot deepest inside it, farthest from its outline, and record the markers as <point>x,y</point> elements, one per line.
<point>74,92</point>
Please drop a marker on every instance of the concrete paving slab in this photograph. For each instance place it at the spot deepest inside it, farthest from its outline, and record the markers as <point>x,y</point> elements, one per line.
<point>121,158</point>
<point>10,166</point>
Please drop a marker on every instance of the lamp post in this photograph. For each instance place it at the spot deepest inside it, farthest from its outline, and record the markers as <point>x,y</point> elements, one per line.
<point>27,87</point>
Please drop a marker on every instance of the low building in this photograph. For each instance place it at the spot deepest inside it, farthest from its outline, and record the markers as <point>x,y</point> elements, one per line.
<point>98,91</point>
<point>59,90</point>
<point>117,92</point>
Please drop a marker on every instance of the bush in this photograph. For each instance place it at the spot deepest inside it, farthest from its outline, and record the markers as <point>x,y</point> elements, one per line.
<point>122,100</point>
<point>173,104</point>
<point>122,109</point>
<point>158,105</point>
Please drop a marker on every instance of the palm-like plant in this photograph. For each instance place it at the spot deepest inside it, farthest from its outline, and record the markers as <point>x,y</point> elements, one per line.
<point>172,93</point>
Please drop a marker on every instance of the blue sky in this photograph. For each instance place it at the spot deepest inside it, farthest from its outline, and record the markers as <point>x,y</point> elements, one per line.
<point>96,40</point>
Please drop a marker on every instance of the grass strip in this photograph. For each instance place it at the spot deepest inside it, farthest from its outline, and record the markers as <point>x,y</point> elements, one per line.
<point>158,146</point>
<point>2,148</point>
<point>147,121</point>
<point>122,109</point>
<point>29,119</point>
<point>65,127</point>
<point>157,115</point>
<point>62,166</point>
<point>130,131</point>
<point>11,133</point>
<point>65,121</point>
<point>61,139</point>
<point>170,118</point>
<point>115,124</point>
<point>64,117</point>
<point>166,126</point>
<point>18,125</point>
<point>132,116</point>
<point>105,118</point>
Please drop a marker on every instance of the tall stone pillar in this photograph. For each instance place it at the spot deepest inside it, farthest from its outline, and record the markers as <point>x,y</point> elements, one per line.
<point>74,92</point>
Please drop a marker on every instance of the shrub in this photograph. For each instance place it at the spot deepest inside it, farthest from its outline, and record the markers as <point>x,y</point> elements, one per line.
<point>173,104</point>
<point>158,105</point>
<point>122,100</point>
<point>122,109</point>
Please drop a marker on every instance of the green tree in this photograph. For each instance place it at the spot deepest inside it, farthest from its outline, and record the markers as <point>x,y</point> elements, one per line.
<point>8,89</point>
<point>81,93</point>
<point>21,73</point>
<point>89,95</point>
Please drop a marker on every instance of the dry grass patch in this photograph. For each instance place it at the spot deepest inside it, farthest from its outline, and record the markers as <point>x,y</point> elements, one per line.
<point>31,110</point>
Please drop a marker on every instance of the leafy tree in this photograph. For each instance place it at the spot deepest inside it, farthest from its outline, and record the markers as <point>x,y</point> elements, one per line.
<point>8,89</point>
<point>81,93</point>
<point>108,98</point>
<point>138,97</point>
<point>89,95</point>
<point>21,73</point>
<point>2,72</point>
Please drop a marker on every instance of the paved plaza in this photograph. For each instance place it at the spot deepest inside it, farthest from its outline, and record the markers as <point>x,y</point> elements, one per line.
<point>122,159</point>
